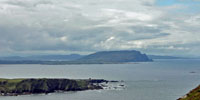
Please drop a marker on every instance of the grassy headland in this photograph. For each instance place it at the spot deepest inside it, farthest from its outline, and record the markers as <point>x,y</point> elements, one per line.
<point>192,95</point>
<point>12,87</point>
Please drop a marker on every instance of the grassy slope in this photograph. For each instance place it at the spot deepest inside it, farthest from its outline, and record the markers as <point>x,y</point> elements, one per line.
<point>8,84</point>
<point>192,95</point>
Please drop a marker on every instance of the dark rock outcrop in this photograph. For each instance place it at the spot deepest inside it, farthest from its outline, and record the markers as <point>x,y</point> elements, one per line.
<point>12,87</point>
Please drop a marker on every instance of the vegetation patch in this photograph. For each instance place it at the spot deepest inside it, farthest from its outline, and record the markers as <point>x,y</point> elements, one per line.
<point>192,95</point>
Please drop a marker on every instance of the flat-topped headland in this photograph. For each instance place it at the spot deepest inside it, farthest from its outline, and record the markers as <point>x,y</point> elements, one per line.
<point>14,87</point>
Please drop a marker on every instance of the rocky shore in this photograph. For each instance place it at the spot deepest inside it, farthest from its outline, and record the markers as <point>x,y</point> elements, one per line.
<point>14,87</point>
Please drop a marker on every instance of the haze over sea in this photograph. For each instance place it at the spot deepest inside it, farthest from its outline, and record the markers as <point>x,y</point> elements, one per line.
<point>158,80</point>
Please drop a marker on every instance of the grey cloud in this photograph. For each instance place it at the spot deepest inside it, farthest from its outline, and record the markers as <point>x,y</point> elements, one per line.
<point>93,25</point>
<point>28,3</point>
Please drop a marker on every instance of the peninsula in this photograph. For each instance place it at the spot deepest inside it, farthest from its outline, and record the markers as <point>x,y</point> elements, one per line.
<point>14,87</point>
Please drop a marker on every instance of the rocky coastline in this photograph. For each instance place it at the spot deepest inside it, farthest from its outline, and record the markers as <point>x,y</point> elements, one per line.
<point>15,87</point>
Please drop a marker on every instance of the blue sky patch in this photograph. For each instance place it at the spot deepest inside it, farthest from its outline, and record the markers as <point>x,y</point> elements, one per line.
<point>166,2</point>
<point>173,2</point>
<point>191,6</point>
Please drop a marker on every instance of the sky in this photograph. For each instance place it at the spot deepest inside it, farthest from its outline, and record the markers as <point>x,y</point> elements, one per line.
<point>161,27</point>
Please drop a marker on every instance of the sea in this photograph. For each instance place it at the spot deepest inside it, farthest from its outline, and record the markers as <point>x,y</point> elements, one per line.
<point>158,80</point>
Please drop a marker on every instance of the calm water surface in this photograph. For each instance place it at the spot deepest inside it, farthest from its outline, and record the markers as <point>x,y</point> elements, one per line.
<point>159,80</point>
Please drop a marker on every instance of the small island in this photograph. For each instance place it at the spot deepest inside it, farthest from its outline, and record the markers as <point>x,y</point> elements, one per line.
<point>14,87</point>
<point>192,95</point>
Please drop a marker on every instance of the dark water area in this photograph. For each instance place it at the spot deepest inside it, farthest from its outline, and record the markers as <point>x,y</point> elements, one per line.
<point>158,80</point>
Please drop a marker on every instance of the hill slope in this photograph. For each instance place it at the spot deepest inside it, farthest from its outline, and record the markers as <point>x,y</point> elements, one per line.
<point>192,95</point>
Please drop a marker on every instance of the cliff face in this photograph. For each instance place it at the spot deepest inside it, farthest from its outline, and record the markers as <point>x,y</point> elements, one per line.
<point>32,86</point>
<point>192,95</point>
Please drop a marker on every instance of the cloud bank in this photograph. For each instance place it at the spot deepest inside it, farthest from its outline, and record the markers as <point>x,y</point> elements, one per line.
<point>68,26</point>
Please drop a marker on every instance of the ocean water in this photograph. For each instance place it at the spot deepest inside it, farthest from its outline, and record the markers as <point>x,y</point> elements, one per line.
<point>158,80</point>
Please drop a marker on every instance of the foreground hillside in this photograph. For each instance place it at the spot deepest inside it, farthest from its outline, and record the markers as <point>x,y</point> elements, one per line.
<point>11,87</point>
<point>192,95</point>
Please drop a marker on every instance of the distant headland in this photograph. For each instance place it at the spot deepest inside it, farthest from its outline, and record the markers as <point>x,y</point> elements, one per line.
<point>115,57</point>
<point>103,57</point>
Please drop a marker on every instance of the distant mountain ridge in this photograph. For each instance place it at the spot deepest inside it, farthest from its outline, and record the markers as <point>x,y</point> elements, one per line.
<point>103,57</point>
<point>43,58</point>
<point>74,57</point>
<point>115,57</point>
